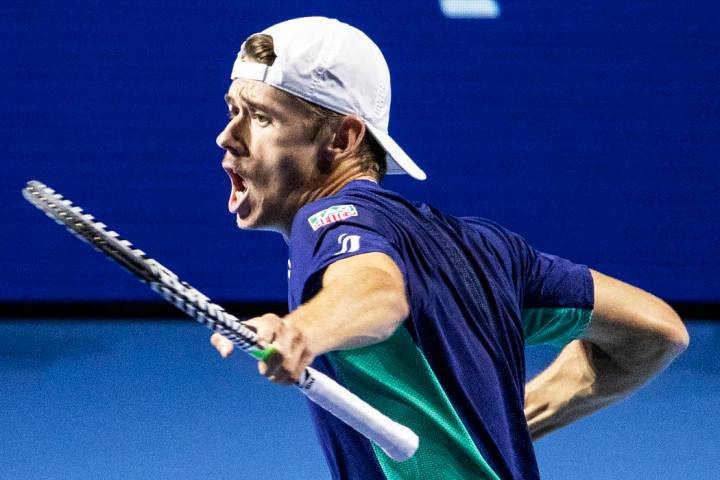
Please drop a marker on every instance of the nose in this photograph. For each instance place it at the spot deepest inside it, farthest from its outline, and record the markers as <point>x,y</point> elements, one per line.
<point>224,136</point>
<point>231,139</point>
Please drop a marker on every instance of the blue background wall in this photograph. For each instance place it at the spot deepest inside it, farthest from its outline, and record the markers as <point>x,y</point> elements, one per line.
<point>590,127</point>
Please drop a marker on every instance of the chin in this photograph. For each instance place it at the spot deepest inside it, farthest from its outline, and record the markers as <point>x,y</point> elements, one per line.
<point>253,222</point>
<point>245,223</point>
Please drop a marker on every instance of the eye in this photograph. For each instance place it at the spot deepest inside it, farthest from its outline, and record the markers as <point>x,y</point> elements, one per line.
<point>260,118</point>
<point>232,112</point>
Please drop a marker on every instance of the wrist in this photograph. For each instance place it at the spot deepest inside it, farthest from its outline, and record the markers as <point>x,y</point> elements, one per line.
<point>303,320</point>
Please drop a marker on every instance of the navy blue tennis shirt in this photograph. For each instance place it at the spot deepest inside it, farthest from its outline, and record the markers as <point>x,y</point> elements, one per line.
<point>454,372</point>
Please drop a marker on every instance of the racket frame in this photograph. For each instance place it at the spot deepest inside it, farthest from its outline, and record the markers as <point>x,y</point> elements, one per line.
<point>398,441</point>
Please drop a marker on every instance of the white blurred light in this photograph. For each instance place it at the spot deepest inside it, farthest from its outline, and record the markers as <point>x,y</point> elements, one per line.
<point>470,8</point>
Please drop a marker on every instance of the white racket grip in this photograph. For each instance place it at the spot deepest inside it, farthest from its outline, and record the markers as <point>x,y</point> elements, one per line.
<point>398,441</point>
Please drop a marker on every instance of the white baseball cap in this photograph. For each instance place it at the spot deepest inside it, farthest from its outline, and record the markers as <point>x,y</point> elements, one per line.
<point>336,66</point>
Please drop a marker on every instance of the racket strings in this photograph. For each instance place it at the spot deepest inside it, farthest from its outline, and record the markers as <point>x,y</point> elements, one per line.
<point>161,279</point>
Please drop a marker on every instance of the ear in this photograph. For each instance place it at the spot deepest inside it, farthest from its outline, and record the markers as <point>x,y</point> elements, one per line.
<point>347,137</point>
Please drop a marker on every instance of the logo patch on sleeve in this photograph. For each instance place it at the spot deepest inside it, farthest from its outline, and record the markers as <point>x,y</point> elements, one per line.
<point>348,243</point>
<point>331,215</point>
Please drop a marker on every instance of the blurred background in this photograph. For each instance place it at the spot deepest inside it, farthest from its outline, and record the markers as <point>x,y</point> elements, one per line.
<point>591,128</point>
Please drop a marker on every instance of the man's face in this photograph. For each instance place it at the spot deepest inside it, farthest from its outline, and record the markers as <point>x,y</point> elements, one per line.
<point>270,158</point>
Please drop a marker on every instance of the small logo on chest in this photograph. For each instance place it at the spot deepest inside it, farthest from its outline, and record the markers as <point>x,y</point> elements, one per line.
<point>331,215</point>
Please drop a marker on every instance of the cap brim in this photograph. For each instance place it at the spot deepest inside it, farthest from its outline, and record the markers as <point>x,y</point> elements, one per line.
<point>398,162</point>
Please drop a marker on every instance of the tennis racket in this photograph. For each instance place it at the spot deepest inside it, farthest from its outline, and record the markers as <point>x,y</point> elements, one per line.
<point>398,441</point>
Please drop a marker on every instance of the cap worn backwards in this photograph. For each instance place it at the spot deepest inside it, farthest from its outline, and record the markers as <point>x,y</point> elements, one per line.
<point>334,65</point>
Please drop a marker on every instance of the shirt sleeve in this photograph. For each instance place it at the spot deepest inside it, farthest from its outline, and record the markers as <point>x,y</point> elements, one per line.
<point>557,299</point>
<point>358,231</point>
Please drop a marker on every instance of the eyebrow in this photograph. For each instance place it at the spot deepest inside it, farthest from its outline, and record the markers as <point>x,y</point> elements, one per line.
<point>251,103</point>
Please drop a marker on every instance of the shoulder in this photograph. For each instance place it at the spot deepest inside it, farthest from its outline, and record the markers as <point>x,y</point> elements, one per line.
<point>351,223</point>
<point>495,237</point>
<point>360,203</point>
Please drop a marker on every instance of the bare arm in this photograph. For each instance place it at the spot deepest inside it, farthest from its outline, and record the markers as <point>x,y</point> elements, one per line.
<point>632,337</point>
<point>362,301</point>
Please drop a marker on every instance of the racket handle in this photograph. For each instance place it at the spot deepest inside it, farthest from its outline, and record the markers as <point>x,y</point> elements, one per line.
<point>396,440</point>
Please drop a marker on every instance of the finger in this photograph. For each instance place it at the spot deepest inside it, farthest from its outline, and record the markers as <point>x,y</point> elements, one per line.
<point>221,344</point>
<point>281,379</point>
<point>305,360</point>
<point>293,343</point>
<point>288,380</point>
<point>272,366</point>
<point>277,367</point>
<point>290,357</point>
<point>284,371</point>
<point>264,326</point>
<point>278,378</point>
<point>249,325</point>
<point>300,356</point>
<point>274,362</point>
<point>532,411</point>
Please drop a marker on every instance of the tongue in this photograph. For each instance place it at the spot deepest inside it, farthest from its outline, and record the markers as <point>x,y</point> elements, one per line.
<point>233,201</point>
<point>238,201</point>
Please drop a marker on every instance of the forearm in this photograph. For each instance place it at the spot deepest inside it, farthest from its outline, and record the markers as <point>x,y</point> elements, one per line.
<point>575,385</point>
<point>632,337</point>
<point>584,378</point>
<point>351,312</point>
<point>362,301</point>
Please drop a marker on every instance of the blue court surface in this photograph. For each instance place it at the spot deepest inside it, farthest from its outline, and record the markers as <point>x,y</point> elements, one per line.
<point>111,399</point>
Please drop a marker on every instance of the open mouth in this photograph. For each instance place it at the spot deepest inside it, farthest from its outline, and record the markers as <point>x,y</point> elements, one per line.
<point>238,191</point>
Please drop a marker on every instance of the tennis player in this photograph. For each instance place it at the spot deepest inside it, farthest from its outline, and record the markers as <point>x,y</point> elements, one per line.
<point>423,315</point>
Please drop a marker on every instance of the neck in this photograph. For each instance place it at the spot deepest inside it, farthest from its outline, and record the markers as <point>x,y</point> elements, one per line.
<point>334,185</point>
<point>329,185</point>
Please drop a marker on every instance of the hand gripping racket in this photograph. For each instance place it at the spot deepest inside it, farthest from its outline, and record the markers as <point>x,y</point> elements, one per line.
<point>398,441</point>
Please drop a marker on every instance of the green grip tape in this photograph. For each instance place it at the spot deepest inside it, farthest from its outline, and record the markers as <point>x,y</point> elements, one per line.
<point>263,354</point>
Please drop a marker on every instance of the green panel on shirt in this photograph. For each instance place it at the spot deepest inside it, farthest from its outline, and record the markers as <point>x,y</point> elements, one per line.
<point>395,377</point>
<point>557,326</point>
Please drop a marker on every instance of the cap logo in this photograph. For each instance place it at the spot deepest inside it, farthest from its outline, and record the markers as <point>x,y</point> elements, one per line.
<point>331,215</point>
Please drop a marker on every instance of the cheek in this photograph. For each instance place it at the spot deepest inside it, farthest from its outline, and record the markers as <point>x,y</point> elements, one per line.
<point>291,176</point>
<point>286,164</point>
<point>280,178</point>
